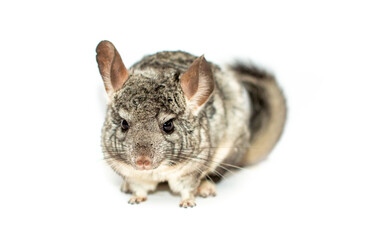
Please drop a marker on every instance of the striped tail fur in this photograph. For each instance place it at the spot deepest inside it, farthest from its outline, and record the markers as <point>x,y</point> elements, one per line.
<point>268,111</point>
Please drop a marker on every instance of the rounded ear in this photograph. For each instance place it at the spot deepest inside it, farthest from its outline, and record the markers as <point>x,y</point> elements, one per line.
<point>111,67</point>
<point>198,83</point>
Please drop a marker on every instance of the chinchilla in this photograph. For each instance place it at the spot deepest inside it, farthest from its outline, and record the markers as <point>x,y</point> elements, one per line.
<point>174,117</point>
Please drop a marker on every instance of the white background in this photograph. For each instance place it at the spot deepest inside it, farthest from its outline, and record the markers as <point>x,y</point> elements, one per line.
<point>319,182</point>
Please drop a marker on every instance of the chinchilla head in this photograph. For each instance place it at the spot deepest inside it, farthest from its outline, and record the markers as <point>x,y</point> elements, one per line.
<point>154,113</point>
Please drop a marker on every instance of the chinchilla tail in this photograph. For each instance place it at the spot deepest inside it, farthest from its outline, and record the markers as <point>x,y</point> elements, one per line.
<point>269,110</point>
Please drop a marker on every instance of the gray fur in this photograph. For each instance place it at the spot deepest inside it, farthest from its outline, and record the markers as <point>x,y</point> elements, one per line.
<point>202,145</point>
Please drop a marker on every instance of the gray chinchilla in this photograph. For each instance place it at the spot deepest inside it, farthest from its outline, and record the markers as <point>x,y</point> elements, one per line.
<point>176,117</point>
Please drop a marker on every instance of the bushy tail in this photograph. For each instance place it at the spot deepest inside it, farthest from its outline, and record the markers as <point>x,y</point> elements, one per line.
<point>268,113</point>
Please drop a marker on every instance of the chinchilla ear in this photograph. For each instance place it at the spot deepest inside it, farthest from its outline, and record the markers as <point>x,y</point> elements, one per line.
<point>111,67</point>
<point>197,83</point>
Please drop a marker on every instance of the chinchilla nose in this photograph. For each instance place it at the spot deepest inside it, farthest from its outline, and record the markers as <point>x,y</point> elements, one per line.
<point>143,145</point>
<point>143,163</point>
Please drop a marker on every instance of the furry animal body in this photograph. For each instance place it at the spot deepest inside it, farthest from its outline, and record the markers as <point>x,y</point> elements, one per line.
<point>174,117</point>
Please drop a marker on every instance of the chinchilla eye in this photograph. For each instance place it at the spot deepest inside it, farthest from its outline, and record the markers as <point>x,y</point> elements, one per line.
<point>124,125</point>
<point>168,126</point>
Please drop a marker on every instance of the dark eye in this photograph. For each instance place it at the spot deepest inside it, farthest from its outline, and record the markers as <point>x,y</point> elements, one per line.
<point>124,125</point>
<point>168,126</point>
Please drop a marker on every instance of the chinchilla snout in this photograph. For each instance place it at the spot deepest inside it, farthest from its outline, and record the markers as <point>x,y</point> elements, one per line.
<point>143,155</point>
<point>143,163</point>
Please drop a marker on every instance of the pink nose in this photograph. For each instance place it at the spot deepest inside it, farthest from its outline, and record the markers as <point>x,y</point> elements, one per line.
<point>143,162</point>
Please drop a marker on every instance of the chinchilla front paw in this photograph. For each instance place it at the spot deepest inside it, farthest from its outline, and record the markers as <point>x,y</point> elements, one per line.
<point>188,203</point>
<point>136,200</point>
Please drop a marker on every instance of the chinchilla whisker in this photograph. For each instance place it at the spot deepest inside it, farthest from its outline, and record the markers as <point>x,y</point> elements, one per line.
<point>115,156</point>
<point>219,165</point>
<point>209,160</point>
<point>202,173</point>
<point>210,179</point>
<point>205,164</point>
<point>120,152</point>
<point>197,169</point>
<point>201,148</point>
